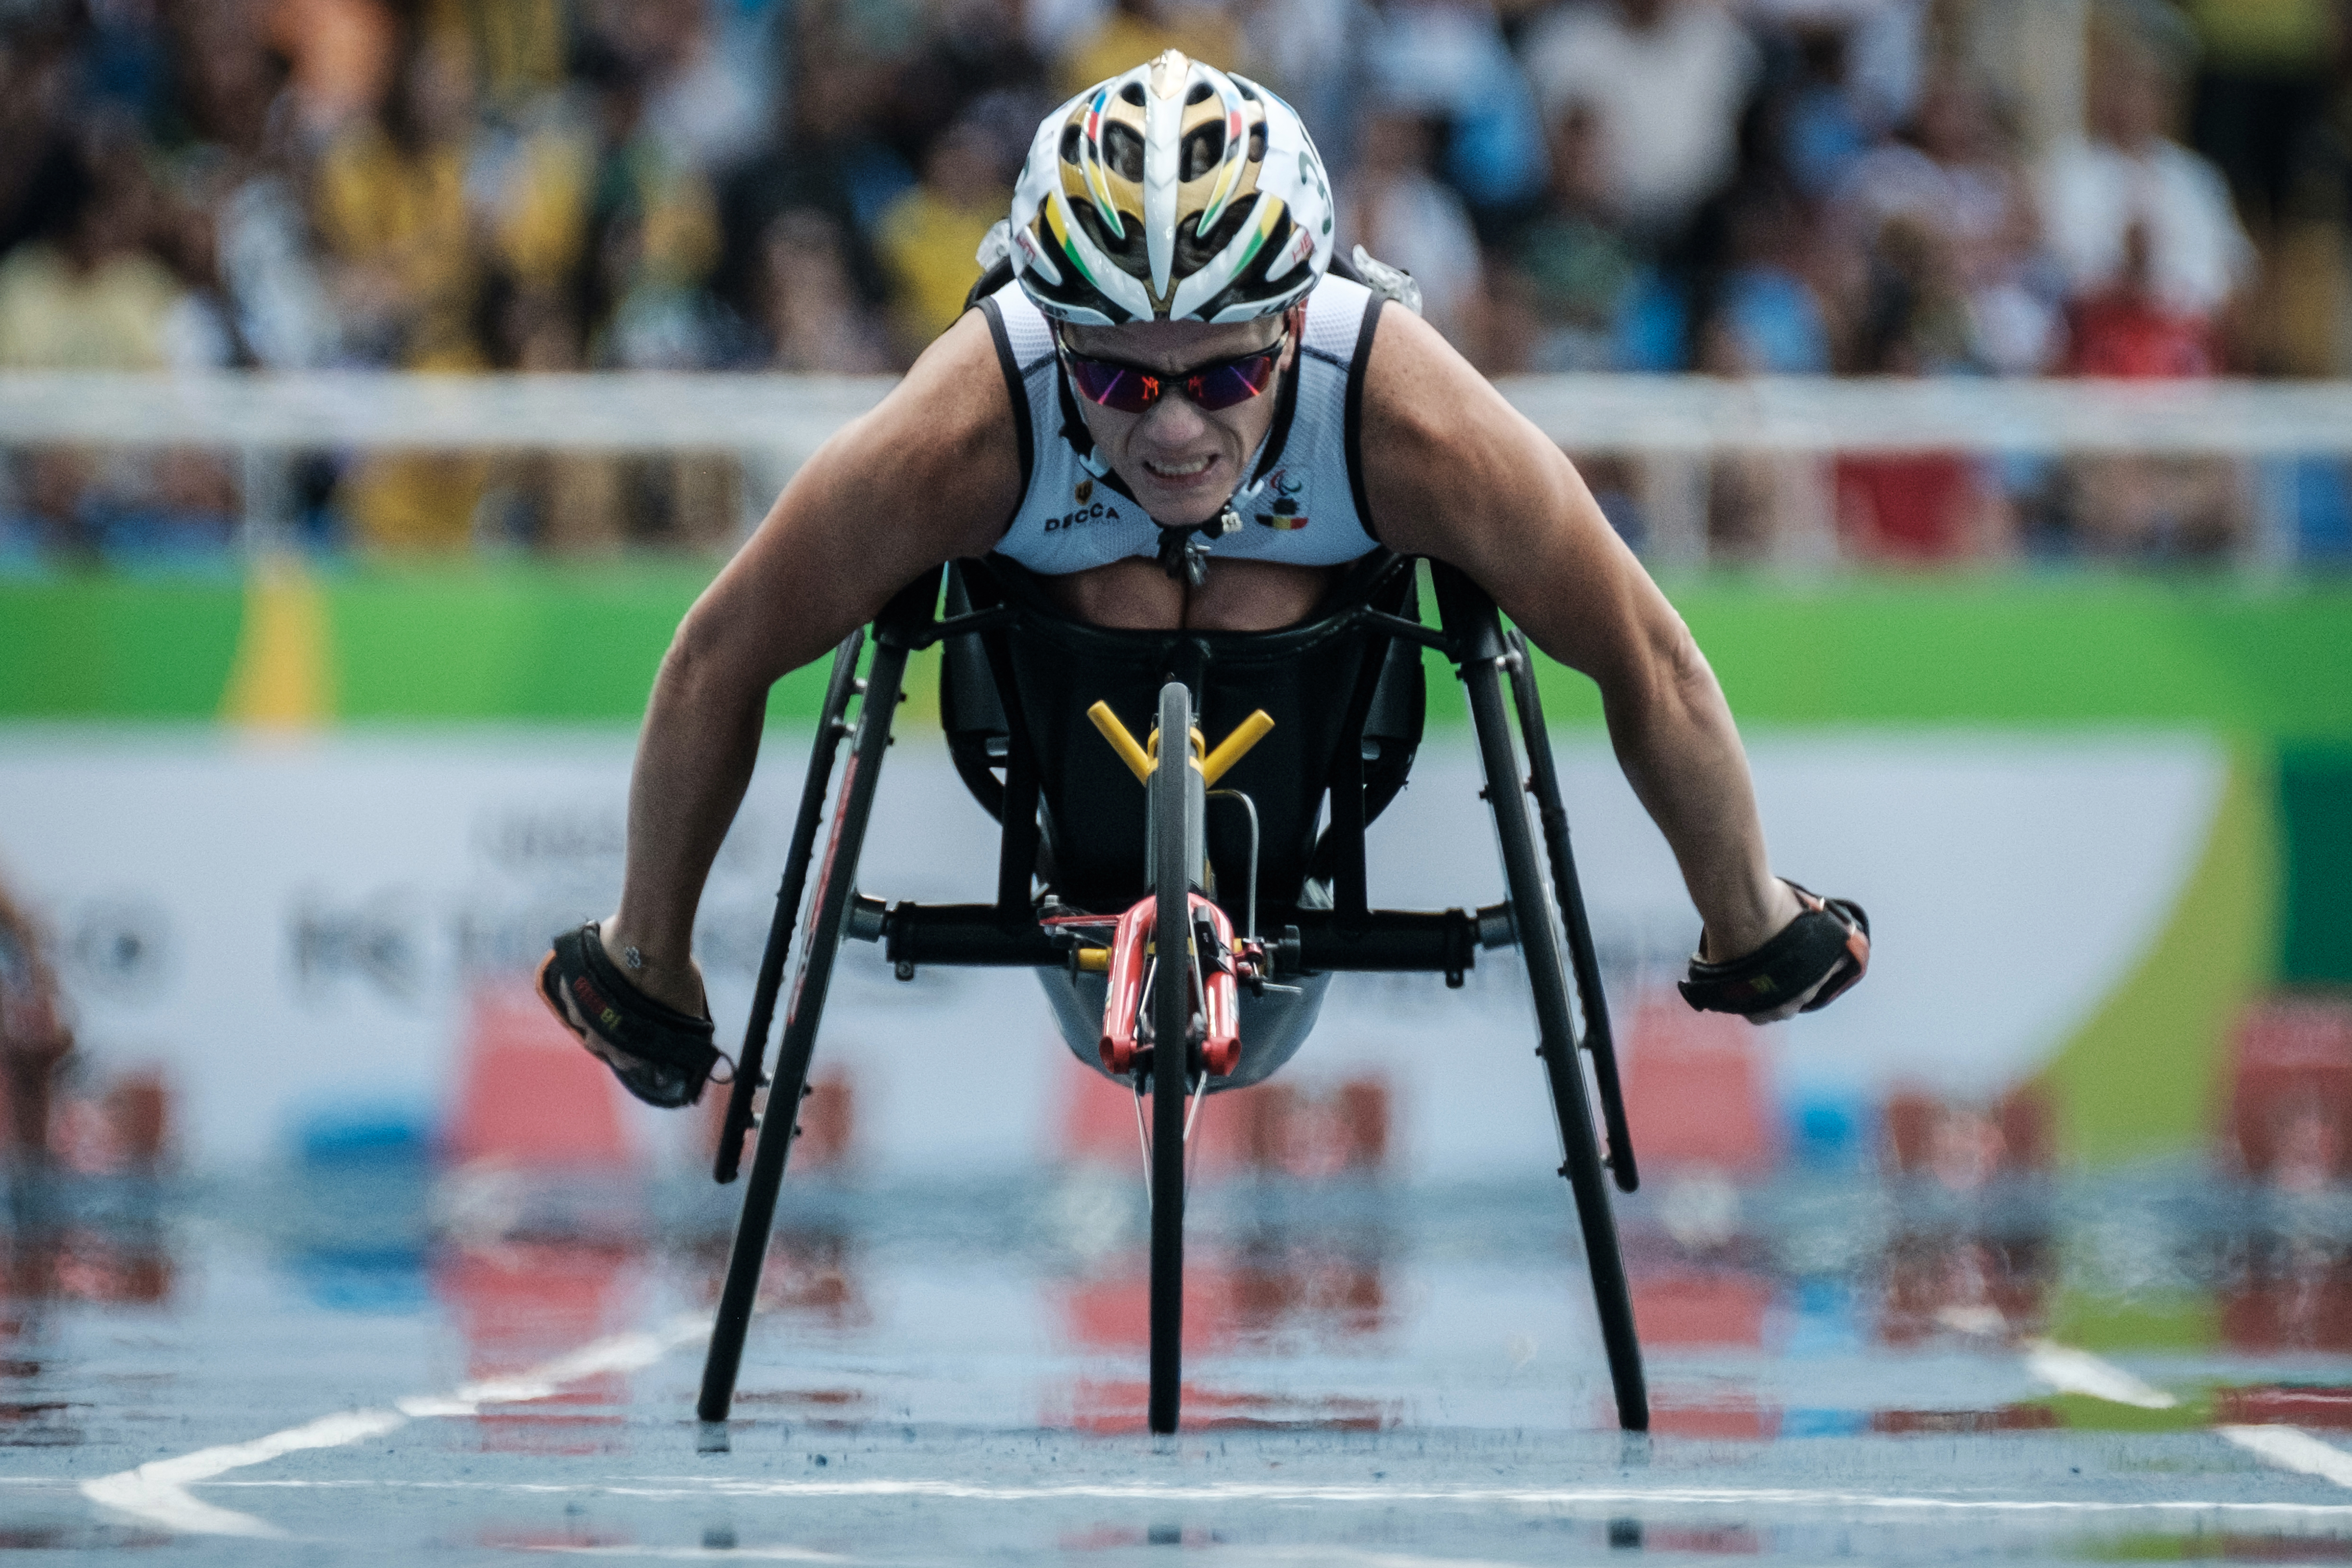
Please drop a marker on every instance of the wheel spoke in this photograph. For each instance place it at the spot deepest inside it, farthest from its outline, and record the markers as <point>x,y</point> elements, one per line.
<point>1143,1136</point>
<point>1191,1116</point>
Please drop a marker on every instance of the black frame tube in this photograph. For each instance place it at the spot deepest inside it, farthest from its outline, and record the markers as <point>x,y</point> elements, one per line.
<point>1583,957</point>
<point>1351,881</point>
<point>895,629</point>
<point>1016,847</point>
<point>1470,617</point>
<point>752,1059</point>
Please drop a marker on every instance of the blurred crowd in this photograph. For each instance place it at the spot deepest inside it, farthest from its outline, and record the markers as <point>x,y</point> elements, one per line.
<point>2130,188</point>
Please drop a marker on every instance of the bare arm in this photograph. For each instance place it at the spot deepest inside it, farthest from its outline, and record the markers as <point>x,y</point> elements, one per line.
<point>1454,472</point>
<point>931,474</point>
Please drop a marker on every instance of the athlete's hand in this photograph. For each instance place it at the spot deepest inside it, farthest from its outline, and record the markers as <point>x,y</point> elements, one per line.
<point>661,1053</point>
<point>1809,964</point>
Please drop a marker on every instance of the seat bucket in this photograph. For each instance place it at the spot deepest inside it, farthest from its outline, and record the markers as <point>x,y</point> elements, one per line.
<point>1305,677</point>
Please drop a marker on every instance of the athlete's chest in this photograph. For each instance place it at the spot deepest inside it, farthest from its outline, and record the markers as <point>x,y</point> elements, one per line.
<point>1234,596</point>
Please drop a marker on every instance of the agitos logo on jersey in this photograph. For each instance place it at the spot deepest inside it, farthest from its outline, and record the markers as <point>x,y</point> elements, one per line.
<point>1288,513</point>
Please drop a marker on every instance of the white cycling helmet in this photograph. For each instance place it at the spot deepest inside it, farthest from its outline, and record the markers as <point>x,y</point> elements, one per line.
<point>1174,191</point>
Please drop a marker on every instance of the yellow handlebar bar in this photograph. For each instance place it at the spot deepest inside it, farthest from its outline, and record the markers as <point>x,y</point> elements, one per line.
<point>1247,733</point>
<point>1121,742</point>
<point>1236,746</point>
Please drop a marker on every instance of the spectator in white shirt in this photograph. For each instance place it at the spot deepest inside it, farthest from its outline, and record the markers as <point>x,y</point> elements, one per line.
<point>1952,179</point>
<point>1401,214</point>
<point>2154,258</point>
<point>1669,78</point>
<point>2129,175</point>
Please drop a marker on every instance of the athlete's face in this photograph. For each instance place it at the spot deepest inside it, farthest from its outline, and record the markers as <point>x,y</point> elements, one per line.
<point>1181,460</point>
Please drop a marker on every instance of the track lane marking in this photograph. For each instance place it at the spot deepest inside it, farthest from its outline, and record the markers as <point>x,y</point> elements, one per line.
<point>1356,1557</point>
<point>2070,1370</point>
<point>1748,1498</point>
<point>622,1352</point>
<point>704,1554</point>
<point>2293,1448</point>
<point>677,1488</point>
<point>2062,1367</point>
<point>158,1492</point>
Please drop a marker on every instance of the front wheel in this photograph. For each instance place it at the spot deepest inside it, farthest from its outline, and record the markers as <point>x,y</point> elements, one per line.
<point>1177,806</point>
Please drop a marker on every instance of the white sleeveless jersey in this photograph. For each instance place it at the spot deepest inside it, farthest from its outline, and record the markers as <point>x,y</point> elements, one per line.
<point>1303,501</point>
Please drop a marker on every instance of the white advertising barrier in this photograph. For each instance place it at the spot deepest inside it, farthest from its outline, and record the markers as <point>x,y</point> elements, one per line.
<point>292,931</point>
<point>792,415</point>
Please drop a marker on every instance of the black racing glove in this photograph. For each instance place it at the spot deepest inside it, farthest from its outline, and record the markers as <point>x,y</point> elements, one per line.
<point>660,1054</point>
<point>1814,960</point>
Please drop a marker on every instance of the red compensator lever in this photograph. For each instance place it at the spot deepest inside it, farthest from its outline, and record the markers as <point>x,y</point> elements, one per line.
<point>1134,945</point>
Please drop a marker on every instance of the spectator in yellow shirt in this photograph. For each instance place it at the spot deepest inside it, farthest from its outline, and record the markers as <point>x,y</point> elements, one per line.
<point>1134,31</point>
<point>390,204</point>
<point>929,239</point>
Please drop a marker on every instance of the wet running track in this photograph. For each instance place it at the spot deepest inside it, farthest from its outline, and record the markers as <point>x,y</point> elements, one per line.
<point>371,1362</point>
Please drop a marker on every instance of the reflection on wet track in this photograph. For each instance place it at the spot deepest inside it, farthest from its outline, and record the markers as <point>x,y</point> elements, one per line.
<point>1903,1369</point>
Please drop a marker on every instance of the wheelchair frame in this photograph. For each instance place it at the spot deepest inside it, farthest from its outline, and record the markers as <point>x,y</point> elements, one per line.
<point>1349,936</point>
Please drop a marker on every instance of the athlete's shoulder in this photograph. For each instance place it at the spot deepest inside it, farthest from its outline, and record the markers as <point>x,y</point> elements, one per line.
<point>944,442</point>
<point>1438,443</point>
<point>954,393</point>
<point>1416,383</point>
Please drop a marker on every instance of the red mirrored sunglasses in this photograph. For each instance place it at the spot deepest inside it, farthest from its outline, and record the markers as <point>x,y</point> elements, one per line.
<point>1131,388</point>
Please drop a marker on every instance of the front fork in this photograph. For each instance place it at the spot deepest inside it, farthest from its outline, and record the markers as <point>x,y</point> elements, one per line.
<point>1220,965</point>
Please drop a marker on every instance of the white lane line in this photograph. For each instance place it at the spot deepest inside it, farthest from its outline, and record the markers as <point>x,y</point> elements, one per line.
<point>685,1487</point>
<point>158,1493</point>
<point>2291,1448</point>
<point>2062,1367</point>
<point>1353,1557</point>
<point>2070,1370</point>
<point>1740,1497</point>
<point>705,1554</point>
<point>622,1352</point>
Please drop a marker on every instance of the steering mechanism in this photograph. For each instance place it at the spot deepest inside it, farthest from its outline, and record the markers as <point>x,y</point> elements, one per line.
<point>1221,960</point>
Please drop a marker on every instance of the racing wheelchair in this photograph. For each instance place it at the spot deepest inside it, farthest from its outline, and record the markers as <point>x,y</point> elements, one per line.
<point>1126,898</point>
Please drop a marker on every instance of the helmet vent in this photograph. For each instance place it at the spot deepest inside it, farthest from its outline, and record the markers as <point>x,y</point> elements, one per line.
<point>1123,151</point>
<point>1070,144</point>
<point>1201,151</point>
<point>1132,93</point>
<point>1200,94</point>
<point>1193,251</point>
<point>1127,249</point>
<point>1258,144</point>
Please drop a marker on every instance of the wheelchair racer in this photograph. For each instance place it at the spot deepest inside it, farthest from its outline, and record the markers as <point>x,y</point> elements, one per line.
<point>1179,415</point>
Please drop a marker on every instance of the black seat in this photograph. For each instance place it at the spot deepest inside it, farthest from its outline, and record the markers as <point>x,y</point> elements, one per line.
<point>1318,680</point>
